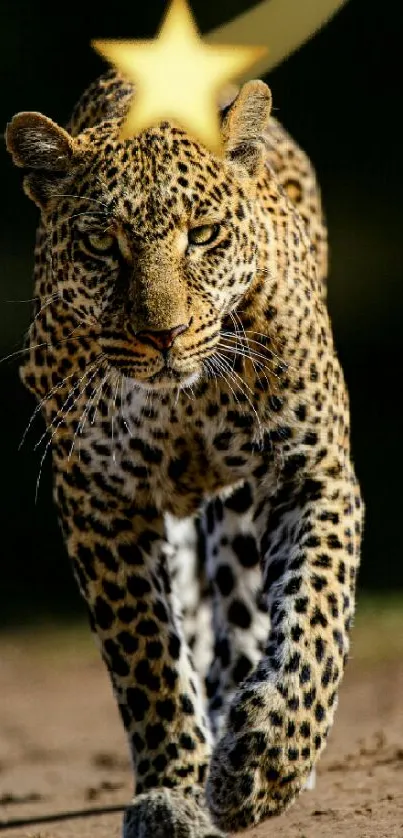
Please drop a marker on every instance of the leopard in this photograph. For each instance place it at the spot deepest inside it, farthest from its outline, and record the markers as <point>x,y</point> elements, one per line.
<point>182,357</point>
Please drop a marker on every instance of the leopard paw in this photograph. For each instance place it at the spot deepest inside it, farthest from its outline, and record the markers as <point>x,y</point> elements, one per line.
<point>261,763</point>
<point>165,813</point>
<point>247,781</point>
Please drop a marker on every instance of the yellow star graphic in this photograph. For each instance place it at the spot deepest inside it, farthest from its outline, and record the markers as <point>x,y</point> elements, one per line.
<point>177,76</point>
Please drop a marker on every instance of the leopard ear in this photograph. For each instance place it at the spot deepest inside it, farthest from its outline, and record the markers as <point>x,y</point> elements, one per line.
<point>42,148</point>
<point>244,125</point>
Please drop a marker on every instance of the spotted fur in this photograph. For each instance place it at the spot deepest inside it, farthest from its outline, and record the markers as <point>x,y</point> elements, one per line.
<point>199,427</point>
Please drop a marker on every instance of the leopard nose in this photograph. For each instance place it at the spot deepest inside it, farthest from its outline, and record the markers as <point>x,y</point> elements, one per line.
<point>162,338</point>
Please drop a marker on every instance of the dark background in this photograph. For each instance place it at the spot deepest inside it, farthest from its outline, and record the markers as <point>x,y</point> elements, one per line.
<point>340,96</point>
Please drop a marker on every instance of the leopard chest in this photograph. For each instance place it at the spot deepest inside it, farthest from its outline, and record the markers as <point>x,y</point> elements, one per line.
<point>175,458</point>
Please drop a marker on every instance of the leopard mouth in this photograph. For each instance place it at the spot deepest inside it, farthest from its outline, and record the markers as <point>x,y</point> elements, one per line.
<point>140,358</point>
<point>167,370</point>
<point>168,378</point>
<point>165,378</point>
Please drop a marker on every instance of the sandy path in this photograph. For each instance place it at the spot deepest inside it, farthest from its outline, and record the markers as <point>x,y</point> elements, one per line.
<point>62,747</point>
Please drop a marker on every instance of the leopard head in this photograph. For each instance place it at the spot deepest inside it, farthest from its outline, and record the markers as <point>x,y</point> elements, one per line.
<point>152,241</point>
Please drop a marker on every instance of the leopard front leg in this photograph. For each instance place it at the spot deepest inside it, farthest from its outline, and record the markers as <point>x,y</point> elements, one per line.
<point>240,618</point>
<point>117,549</point>
<point>279,720</point>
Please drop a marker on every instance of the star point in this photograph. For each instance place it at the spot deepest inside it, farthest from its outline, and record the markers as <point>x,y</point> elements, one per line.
<point>178,76</point>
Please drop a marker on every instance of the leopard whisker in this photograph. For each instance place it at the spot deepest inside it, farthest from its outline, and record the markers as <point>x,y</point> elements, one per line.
<point>252,353</point>
<point>241,385</point>
<point>89,212</point>
<point>30,300</point>
<point>48,302</point>
<point>41,403</point>
<point>125,417</point>
<point>255,357</point>
<point>57,426</point>
<point>236,318</point>
<point>216,362</point>
<point>190,395</point>
<point>210,369</point>
<point>268,348</point>
<point>236,327</point>
<point>70,394</point>
<point>113,416</point>
<point>244,354</point>
<point>123,404</point>
<point>81,198</point>
<point>230,375</point>
<point>57,343</point>
<point>99,390</point>
<point>226,374</point>
<point>84,415</point>
<point>271,371</point>
<point>245,384</point>
<point>25,349</point>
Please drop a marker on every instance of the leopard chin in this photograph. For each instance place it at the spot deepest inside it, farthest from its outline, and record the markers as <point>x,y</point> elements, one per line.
<point>167,379</point>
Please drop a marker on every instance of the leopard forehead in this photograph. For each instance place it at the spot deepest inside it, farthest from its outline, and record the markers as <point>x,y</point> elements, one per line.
<point>159,178</point>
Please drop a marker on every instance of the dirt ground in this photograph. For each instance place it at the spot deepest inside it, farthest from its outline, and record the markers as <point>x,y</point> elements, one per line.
<point>62,748</point>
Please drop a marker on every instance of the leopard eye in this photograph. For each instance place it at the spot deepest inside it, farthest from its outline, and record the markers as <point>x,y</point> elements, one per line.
<point>99,242</point>
<point>205,234</point>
